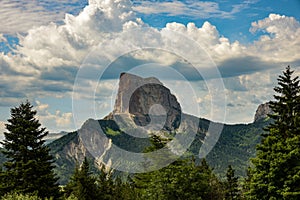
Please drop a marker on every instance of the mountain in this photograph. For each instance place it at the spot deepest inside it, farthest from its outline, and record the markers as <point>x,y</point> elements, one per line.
<point>143,98</point>
<point>145,106</point>
<point>262,112</point>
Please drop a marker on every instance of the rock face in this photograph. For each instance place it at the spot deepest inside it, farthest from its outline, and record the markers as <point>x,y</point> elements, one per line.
<point>141,101</point>
<point>128,83</point>
<point>262,112</point>
<point>145,100</point>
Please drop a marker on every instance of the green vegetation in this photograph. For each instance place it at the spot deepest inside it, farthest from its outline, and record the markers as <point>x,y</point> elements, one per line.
<point>231,185</point>
<point>29,166</point>
<point>112,132</point>
<point>235,147</point>
<point>64,164</point>
<point>274,172</point>
<point>82,184</point>
<point>17,196</point>
<point>182,179</point>
<point>121,139</point>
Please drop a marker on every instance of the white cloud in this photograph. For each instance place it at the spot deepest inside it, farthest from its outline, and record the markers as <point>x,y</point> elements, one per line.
<point>66,45</point>
<point>191,8</point>
<point>2,127</point>
<point>54,122</point>
<point>2,130</point>
<point>2,38</point>
<point>20,16</point>
<point>280,41</point>
<point>48,56</point>
<point>208,37</point>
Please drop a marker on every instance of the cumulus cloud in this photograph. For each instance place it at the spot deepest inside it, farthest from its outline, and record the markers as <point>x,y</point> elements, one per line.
<point>62,120</point>
<point>280,41</point>
<point>66,45</point>
<point>58,120</point>
<point>257,89</point>
<point>48,57</point>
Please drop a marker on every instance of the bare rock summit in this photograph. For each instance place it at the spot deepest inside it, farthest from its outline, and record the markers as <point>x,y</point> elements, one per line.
<point>262,112</point>
<point>146,99</point>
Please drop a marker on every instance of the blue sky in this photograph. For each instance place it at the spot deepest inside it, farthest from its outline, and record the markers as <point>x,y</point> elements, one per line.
<point>234,23</point>
<point>44,44</point>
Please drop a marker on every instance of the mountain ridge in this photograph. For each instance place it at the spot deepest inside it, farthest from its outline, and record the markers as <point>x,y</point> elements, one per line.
<point>128,125</point>
<point>235,145</point>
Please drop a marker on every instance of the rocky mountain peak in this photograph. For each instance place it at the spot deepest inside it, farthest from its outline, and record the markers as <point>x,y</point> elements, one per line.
<point>262,112</point>
<point>145,98</point>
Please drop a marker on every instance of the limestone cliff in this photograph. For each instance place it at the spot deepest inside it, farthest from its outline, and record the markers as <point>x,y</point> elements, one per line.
<point>145,99</point>
<point>262,112</point>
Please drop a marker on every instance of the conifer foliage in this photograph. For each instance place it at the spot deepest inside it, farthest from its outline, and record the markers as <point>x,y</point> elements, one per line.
<point>182,179</point>
<point>231,185</point>
<point>286,106</point>
<point>82,184</point>
<point>29,166</point>
<point>276,172</point>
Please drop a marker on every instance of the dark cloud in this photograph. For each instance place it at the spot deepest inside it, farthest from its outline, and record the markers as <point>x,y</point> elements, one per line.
<point>63,74</point>
<point>128,62</point>
<point>55,87</point>
<point>244,65</point>
<point>230,105</point>
<point>5,92</point>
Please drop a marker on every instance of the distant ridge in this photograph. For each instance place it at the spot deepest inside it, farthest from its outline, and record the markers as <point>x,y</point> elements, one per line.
<point>235,146</point>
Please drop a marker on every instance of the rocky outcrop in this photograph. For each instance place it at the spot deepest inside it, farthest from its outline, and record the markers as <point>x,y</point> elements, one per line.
<point>146,100</point>
<point>262,112</point>
<point>123,133</point>
<point>128,83</point>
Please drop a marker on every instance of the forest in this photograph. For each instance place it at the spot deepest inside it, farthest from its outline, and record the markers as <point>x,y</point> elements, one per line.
<point>274,173</point>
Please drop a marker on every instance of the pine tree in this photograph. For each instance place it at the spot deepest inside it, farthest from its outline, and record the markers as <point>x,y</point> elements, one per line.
<point>276,172</point>
<point>29,167</point>
<point>82,184</point>
<point>231,184</point>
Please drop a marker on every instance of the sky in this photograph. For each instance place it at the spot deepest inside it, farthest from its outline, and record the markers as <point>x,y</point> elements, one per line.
<point>65,56</point>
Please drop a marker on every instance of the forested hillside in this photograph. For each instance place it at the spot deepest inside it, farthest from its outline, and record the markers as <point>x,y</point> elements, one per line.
<point>254,161</point>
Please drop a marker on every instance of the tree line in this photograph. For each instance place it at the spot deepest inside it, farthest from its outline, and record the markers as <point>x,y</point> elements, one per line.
<point>273,174</point>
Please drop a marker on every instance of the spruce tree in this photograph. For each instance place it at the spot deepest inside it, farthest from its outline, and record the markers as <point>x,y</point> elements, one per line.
<point>106,184</point>
<point>82,184</point>
<point>276,172</point>
<point>29,168</point>
<point>231,185</point>
<point>286,106</point>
